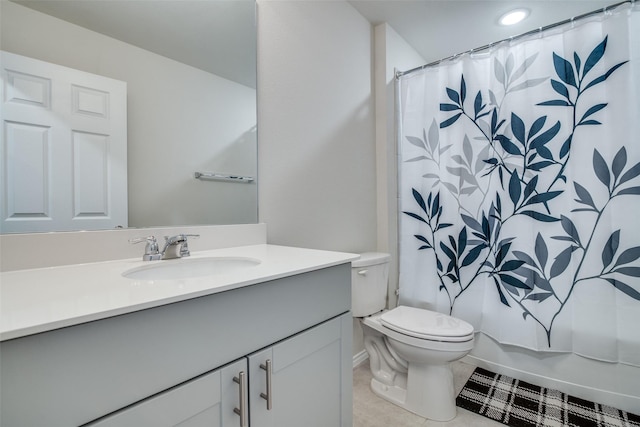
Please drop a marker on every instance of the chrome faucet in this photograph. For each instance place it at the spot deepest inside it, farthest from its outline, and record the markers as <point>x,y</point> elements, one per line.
<point>174,247</point>
<point>151,252</point>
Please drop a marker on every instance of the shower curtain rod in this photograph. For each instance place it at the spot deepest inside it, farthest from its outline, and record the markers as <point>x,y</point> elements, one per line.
<point>519,36</point>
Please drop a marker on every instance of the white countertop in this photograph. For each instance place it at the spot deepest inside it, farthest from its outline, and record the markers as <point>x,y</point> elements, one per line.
<point>43,299</point>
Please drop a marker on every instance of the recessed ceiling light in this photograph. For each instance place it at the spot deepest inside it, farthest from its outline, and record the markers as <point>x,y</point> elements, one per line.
<point>513,17</point>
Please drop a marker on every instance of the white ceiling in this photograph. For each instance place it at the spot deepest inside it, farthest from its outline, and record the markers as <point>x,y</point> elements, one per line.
<point>440,28</point>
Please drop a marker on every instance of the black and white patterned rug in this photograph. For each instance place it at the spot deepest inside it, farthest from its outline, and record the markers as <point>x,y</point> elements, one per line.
<point>520,404</point>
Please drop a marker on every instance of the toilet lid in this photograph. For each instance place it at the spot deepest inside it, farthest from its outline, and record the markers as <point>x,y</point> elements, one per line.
<point>426,324</point>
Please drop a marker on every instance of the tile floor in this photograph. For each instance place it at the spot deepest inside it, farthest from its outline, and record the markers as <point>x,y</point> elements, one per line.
<point>371,411</point>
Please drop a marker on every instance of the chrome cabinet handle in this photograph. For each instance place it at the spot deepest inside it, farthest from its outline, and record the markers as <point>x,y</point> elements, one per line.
<point>242,412</point>
<point>267,367</point>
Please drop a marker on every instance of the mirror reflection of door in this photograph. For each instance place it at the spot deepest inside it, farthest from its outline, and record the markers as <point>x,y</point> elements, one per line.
<point>64,148</point>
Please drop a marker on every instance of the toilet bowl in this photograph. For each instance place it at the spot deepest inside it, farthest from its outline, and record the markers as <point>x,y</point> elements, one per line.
<point>410,349</point>
<point>424,383</point>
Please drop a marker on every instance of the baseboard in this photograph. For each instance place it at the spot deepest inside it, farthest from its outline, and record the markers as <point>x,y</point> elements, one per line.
<point>360,358</point>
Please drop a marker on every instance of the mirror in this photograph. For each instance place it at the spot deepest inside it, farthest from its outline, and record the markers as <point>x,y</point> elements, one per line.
<point>190,70</point>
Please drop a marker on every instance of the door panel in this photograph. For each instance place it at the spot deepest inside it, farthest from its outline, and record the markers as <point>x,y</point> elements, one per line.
<point>27,182</point>
<point>90,174</point>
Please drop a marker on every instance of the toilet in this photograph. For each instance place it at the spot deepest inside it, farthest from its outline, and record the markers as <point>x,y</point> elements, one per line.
<point>410,349</point>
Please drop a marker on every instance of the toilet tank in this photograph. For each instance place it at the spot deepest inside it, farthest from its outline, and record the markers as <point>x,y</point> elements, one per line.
<point>369,279</point>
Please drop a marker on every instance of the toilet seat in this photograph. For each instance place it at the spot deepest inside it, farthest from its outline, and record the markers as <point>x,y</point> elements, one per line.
<point>436,343</point>
<point>426,324</point>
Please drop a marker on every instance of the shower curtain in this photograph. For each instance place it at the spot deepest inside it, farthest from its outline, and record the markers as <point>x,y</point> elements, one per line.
<point>519,188</point>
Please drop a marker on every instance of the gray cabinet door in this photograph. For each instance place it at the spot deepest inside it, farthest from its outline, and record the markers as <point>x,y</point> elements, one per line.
<point>206,401</point>
<point>307,379</point>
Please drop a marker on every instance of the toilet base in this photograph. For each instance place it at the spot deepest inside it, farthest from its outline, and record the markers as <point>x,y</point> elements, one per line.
<point>429,394</point>
<point>394,394</point>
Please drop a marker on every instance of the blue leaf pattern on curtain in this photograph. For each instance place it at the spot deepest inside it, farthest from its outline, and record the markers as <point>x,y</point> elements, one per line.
<point>504,171</point>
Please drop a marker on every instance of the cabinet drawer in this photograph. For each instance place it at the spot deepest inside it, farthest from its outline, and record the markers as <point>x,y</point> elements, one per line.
<point>206,401</point>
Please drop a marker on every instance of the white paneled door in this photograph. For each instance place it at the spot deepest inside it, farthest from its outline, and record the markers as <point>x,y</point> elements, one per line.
<point>64,148</point>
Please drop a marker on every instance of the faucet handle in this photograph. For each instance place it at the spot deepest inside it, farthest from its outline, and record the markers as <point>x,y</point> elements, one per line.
<point>135,240</point>
<point>151,250</point>
<point>184,248</point>
<point>179,238</point>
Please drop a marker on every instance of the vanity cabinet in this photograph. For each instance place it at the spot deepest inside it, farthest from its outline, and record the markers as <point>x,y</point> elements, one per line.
<point>295,382</point>
<point>174,364</point>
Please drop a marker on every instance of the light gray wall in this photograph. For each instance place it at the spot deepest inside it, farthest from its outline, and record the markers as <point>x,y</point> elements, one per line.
<point>316,134</point>
<point>392,53</point>
<point>317,151</point>
<point>180,119</point>
<point>327,149</point>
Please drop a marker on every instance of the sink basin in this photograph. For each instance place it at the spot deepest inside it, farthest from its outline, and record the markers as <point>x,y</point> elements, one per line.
<point>190,268</point>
